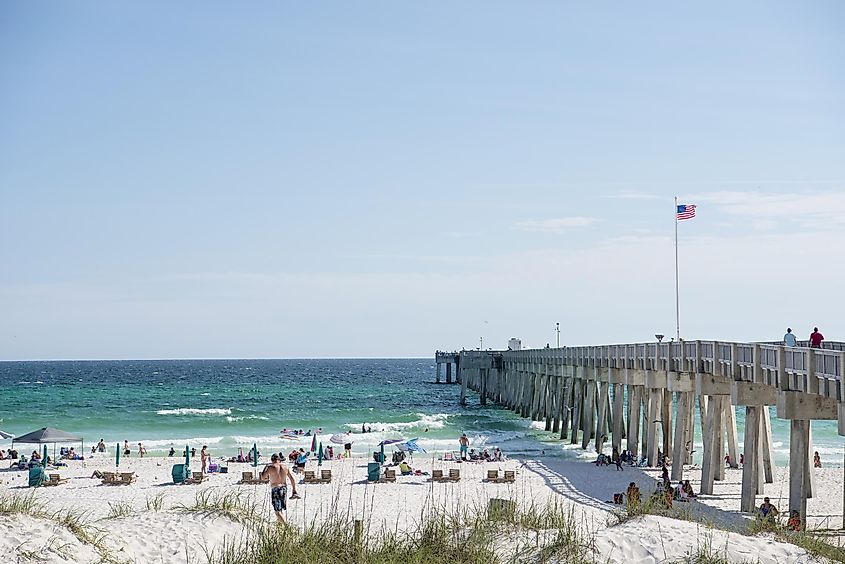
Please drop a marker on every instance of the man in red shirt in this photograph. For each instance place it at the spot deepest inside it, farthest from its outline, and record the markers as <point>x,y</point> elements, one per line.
<point>816,338</point>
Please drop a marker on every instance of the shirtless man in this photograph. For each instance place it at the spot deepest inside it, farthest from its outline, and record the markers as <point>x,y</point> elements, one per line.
<point>278,474</point>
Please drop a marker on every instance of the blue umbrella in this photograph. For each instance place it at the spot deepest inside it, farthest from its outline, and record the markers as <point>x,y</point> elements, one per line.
<point>411,446</point>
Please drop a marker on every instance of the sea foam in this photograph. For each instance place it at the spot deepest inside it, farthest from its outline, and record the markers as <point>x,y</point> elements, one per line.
<point>195,411</point>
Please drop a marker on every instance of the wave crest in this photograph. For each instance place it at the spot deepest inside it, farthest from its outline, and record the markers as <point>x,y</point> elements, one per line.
<point>195,411</point>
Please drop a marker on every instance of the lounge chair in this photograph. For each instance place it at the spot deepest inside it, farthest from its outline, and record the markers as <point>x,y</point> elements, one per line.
<point>389,475</point>
<point>492,476</point>
<point>54,480</point>
<point>325,476</point>
<point>248,479</point>
<point>118,479</point>
<point>510,476</point>
<point>309,477</point>
<point>454,475</point>
<point>196,478</point>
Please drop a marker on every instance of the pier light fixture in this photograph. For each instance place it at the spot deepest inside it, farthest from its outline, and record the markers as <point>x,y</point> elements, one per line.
<point>557,330</point>
<point>659,337</point>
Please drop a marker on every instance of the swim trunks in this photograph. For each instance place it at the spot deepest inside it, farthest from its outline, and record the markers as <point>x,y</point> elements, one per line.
<point>278,497</point>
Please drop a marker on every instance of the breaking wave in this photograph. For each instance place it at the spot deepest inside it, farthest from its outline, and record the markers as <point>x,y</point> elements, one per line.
<point>195,411</point>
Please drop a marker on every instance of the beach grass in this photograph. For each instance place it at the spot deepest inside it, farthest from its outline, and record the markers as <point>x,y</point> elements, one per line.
<point>26,504</point>
<point>154,503</point>
<point>233,505</point>
<point>814,542</point>
<point>118,509</point>
<point>536,534</point>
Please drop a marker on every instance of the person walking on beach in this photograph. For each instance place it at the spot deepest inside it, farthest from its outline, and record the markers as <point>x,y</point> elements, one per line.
<point>816,338</point>
<point>204,458</point>
<point>126,451</point>
<point>101,446</point>
<point>464,442</point>
<point>278,474</point>
<point>789,339</point>
<point>817,460</point>
<point>616,459</point>
<point>141,450</point>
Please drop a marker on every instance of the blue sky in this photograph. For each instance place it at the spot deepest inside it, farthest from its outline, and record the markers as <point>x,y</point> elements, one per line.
<point>382,179</point>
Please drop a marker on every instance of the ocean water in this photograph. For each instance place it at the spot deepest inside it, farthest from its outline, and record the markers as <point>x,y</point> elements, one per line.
<point>227,404</point>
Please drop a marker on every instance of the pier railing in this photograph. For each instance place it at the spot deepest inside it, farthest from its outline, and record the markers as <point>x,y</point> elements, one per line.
<point>799,368</point>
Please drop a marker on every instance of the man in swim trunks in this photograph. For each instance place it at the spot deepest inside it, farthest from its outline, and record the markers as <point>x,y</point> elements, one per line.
<point>278,474</point>
<point>464,442</point>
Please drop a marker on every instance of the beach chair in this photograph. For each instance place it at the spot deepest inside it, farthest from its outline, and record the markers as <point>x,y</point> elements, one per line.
<point>196,478</point>
<point>389,475</point>
<point>309,477</point>
<point>449,457</point>
<point>510,476</point>
<point>54,480</point>
<point>454,475</point>
<point>248,479</point>
<point>437,475</point>
<point>126,478</point>
<point>325,476</point>
<point>492,476</point>
<point>108,478</point>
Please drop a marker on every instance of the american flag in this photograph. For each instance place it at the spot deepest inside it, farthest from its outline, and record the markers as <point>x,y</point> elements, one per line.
<point>685,211</point>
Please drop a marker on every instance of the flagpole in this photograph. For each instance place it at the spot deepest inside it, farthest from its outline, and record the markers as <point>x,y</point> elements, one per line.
<point>677,301</point>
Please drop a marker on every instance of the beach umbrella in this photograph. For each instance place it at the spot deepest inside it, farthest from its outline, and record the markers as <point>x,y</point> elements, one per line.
<point>390,442</point>
<point>117,455</point>
<point>341,438</point>
<point>410,446</point>
<point>320,455</point>
<point>314,442</point>
<point>5,435</point>
<point>187,458</point>
<point>381,449</point>
<point>44,457</point>
<point>255,455</point>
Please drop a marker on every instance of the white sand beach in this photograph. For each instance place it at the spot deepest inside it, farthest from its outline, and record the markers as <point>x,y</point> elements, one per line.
<point>166,534</point>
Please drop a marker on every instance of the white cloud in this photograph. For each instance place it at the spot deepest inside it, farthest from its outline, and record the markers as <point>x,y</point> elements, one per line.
<point>810,210</point>
<point>554,225</point>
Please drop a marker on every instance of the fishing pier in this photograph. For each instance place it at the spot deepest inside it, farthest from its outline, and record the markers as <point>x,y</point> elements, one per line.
<point>649,393</point>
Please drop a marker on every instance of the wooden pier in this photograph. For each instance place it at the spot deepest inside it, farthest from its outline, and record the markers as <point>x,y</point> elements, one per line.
<point>648,394</point>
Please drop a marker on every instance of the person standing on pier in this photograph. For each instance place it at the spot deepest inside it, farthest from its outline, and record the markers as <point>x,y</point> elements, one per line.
<point>789,339</point>
<point>816,338</point>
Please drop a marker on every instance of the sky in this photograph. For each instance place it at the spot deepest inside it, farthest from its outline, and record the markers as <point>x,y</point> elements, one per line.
<point>383,179</point>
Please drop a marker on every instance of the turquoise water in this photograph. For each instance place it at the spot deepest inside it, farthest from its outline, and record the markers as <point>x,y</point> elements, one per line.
<point>228,404</point>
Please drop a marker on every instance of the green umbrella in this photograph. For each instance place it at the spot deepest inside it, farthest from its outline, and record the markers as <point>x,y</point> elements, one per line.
<point>44,459</point>
<point>254,455</point>
<point>382,452</point>
<point>187,458</point>
<point>320,455</point>
<point>117,455</point>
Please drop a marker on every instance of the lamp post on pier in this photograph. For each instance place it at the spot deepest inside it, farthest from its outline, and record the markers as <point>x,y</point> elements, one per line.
<point>557,330</point>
